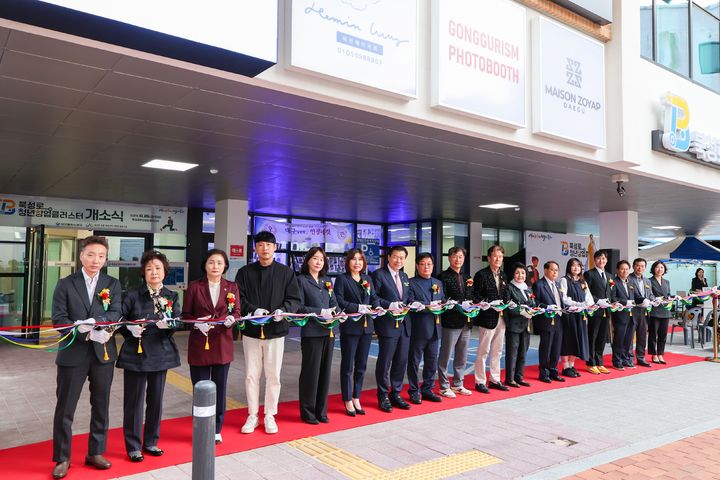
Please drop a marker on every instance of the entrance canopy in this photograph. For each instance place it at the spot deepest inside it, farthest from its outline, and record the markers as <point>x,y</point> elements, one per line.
<point>683,248</point>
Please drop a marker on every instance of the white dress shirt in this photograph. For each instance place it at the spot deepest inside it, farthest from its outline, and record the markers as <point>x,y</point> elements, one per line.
<point>214,292</point>
<point>90,284</point>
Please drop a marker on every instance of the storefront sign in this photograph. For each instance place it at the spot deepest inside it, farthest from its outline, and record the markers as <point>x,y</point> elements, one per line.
<point>237,250</point>
<point>22,211</point>
<point>479,53</point>
<point>368,42</point>
<point>371,249</point>
<point>569,85</point>
<point>559,247</point>
<point>306,231</point>
<point>677,139</point>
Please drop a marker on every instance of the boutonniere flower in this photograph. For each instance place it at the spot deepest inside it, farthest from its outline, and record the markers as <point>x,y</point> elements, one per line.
<point>230,300</point>
<point>166,306</point>
<point>469,282</point>
<point>632,287</point>
<point>329,287</point>
<point>531,296</point>
<point>611,282</point>
<point>435,288</point>
<point>366,286</point>
<point>105,298</point>
<point>406,284</point>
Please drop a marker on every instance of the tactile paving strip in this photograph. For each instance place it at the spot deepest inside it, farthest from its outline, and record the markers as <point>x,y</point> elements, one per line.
<point>357,468</point>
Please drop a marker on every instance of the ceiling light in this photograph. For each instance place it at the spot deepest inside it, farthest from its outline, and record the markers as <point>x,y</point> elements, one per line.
<point>169,165</point>
<point>667,227</point>
<point>498,206</point>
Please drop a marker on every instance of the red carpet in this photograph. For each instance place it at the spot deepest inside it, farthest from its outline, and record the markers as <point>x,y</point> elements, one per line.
<point>33,461</point>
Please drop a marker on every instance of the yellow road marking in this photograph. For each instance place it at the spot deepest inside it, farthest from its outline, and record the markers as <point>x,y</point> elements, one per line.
<point>357,468</point>
<point>184,384</point>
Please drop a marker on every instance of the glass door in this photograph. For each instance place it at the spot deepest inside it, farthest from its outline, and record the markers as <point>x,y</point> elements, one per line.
<point>12,275</point>
<point>124,256</point>
<point>34,268</point>
<point>60,261</point>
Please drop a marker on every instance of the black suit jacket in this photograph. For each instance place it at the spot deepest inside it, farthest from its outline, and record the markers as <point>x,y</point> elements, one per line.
<point>314,296</point>
<point>387,293</point>
<point>71,303</point>
<point>514,322</point>
<point>159,351</point>
<point>620,295</point>
<point>599,288</point>
<point>350,295</point>
<point>544,297</point>
<point>484,289</point>
<point>454,291</point>
<point>423,324</point>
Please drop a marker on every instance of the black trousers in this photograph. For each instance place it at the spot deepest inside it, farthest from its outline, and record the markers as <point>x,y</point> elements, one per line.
<point>516,347</point>
<point>218,374</point>
<point>620,347</point>
<point>136,384</point>
<point>657,335</point>
<point>598,331</point>
<point>354,351</point>
<point>70,382</point>
<point>317,353</point>
<point>549,350</point>
<point>425,350</point>
<point>639,329</point>
<point>391,364</point>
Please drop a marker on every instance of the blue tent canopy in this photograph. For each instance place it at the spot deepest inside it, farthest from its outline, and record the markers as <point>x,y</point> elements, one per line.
<point>692,248</point>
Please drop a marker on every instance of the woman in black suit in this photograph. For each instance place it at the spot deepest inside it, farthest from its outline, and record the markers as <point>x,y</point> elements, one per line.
<point>146,355</point>
<point>575,293</point>
<point>517,328</point>
<point>699,284</point>
<point>316,342</point>
<point>355,294</point>
<point>659,317</point>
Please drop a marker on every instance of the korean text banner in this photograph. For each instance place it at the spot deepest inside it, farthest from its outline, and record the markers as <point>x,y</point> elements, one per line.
<point>546,246</point>
<point>22,211</point>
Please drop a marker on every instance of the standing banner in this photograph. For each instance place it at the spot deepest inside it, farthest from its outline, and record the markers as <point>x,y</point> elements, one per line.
<point>560,247</point>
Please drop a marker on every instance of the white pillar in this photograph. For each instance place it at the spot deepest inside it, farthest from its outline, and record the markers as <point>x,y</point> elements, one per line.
<point>476,247</point>
<point>619,230</point>
<point>231,219</point>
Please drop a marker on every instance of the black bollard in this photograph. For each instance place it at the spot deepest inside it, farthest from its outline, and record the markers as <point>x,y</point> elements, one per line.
<point>203,438</point>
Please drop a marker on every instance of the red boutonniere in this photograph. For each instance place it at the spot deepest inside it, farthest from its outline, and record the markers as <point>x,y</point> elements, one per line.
<point>366,286</point>
<point>531,296</point>
<point>329,287</point>
<point>166,306</point>
<point>105,298</point>
<point>435,288</point>
<point>230,300</point>
<point>611,282</point>
<point>469,282</point>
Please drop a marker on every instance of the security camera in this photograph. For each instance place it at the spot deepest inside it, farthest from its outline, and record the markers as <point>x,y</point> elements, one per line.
<point>619,179</point>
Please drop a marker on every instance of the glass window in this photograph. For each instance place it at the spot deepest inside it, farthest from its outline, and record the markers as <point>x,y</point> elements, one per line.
<point>339,237</point>
<point>672,46</point>
<point>208,225</point>
<point>510,241</point>
<point>402,233</point>
<point>454,234</point>
<point>706,48</point>
<point>172,254</point>
<point>277,226</point>
<point>169,240</point>
<point>370,232</point>
<point>646,28</point>
<point>489,238</point>
<point>307,234</point>
<point>12,257</point>
<point>12,234</point>
<point>426,234</point>
<point>711,6</point>
<point>11,300</point>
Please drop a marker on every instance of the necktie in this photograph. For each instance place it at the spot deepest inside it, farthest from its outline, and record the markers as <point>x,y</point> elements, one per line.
<point>91,288</point>
<point>555,294</point>
<point>398,284</point>
<point>602,275</point>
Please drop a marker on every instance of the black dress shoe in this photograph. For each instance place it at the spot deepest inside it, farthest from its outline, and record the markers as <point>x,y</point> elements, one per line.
<point>415,399</point>
<point>136,456</point>
<point>663,362</point>
<point>522,383</point>
<point>629,365</point>
<point>577,374</point>
<point>385,405</point>
<point>512,384</point>
<point>61,469</point>
<point>431,397</point>
<point>545,379</point>
<point>154,451</point>
<point>323,420</point>
<point>397,401</point>
<point>360,411</point>
<point>97,461</point>
<point>480,387</point>
<point>557,378</point>
<point>643,363</point>
<point>498,386</point>
<point>311,421</point>
<point>350,413</point>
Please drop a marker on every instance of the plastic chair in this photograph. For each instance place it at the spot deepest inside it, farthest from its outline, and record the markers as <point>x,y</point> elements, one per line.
<point>690,321</point>
<point>705,330</point>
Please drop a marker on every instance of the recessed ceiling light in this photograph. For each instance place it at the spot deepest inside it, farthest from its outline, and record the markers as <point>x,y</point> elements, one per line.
<point>169,165</point>
<point>667,227</point>
<point>498,206</point>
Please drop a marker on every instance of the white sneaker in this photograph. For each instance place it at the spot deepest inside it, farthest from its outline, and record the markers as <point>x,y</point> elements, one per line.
<point>447,393</point>
<point>250,424</point>
<point>270,425</point>
<point>218,439</point>
<point>461,390</point>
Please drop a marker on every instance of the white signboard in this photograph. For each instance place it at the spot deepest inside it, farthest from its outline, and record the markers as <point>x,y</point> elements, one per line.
<point>569,85</point>
<point>559,247</point>
<point>479,59</point>
<point>22,211</point>
<point>369,42</point>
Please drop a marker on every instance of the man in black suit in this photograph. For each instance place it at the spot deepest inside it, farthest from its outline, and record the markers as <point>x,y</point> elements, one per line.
<point>624,293</point>
<point>547,292</point>
<point>489,285</point>
<point>598,282</point>
<point>638,328</point>
<point>392,286</point>
<point>82,298</point>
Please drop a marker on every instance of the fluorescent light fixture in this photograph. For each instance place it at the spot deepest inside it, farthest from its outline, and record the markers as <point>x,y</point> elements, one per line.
<point>169,165</point>
<point>498,206</point>
<point>667,227</point>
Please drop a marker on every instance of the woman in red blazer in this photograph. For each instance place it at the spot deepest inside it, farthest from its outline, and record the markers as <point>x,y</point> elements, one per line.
<point>210,346</point>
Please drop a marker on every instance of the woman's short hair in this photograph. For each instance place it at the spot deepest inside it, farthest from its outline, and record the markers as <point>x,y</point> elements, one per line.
<point>519,265</point>
<point>311,253</point>
<point>655,264</point>
<point>569,265</point>
<point>216,251</point>
<point>351,254</point>
<point>151,255</point>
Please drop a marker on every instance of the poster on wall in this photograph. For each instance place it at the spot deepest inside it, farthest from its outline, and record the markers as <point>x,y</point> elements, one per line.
<point>368,42</point>
<point>479,59</point>
<point>568,85</point>
<point>22,211</point>
<point>541,247</point>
